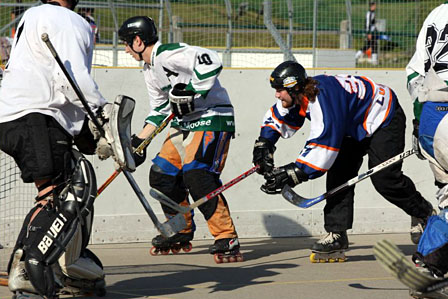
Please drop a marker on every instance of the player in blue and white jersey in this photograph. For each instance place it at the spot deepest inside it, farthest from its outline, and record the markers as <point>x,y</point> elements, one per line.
<point>350,116</point>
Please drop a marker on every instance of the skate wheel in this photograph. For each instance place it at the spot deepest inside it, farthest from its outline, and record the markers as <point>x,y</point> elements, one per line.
<point>232,259</point>
<point>330,260</point>
<point>217,258</point>
<point>175,249</point>
<point>239,258</point>
<point>187,248</point>
<point>225,259</point>
<point>322,261</point>
<point>164,251</point>
<point>153,251</point>
<point>341,260</point>
<point>313,258</point>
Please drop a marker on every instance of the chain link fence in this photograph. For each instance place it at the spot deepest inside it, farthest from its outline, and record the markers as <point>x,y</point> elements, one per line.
<point>16,199</point>
<point>253,33</point>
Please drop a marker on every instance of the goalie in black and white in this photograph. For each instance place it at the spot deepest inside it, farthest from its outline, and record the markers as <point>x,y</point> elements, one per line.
<point>41,118</point>
<point>350,117</point>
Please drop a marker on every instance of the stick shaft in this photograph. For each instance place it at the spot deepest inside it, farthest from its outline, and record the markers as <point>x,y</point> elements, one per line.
<point>141,147</point>
<point>47,41</point>
<point>224,187</point>
<point>290,195</point>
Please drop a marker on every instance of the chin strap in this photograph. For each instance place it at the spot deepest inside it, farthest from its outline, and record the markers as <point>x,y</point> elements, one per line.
<point>140,53</point>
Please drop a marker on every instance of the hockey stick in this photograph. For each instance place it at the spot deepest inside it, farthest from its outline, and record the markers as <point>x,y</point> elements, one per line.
<point>302,202</point>
<point>165,229</point>
<point>141,147</point>
<point>183,210</point>
<point>75,86</point>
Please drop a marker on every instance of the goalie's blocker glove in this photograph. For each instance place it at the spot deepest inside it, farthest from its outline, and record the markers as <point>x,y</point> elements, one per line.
<point>263,155</point>
<point>181,100</point>
<point>140,157</point>
<point>280,176</point>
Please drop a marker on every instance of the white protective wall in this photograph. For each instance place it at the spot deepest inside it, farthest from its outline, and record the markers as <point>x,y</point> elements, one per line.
<point>121,218</point>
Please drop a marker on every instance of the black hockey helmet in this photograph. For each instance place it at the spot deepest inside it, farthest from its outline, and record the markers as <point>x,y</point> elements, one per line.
<point>287,75</point>
<point>142,26</point>
<point>73,2</point>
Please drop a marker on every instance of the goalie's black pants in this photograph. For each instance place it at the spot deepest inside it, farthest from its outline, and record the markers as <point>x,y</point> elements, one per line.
<point>391,183</point>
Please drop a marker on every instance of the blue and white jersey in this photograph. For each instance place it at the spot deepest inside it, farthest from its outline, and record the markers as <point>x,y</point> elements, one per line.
<point>346,106</point>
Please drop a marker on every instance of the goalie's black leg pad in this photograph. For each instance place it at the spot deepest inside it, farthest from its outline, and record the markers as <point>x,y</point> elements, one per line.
<point>41,277</point>
<point>47,233</point>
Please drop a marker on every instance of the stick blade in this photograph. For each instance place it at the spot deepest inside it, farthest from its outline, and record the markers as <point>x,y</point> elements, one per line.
<point>173,225</point>
<point>298,200</point>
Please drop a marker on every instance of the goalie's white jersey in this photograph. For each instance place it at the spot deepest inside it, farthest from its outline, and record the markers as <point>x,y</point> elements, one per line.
<point>430,57</point>
<point>34,82</point>
<point>198,68</point>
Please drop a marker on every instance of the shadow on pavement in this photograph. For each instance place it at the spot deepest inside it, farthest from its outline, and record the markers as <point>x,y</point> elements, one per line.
<point>169,279</point>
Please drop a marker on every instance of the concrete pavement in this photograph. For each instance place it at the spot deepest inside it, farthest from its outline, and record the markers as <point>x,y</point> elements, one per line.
<point>273,268</point>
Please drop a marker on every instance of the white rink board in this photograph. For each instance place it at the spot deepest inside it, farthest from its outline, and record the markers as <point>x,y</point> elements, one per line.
<point>121,218</point>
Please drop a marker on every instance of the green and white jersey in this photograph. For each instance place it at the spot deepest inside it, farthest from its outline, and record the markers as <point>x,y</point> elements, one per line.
<point>199,69</point>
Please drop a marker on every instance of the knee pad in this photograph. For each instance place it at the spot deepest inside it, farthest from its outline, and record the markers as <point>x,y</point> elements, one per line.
<point>171,186</point>
<point>87,267</point>
<point>201,182</point>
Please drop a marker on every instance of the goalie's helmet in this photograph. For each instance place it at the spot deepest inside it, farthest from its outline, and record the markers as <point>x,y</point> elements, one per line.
<point>141,26</point>
<point>73,2</point>
<point>287,75</point>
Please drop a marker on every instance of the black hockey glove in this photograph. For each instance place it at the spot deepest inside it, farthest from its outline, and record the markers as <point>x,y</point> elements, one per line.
<point>280,176</point>
<point>85,141</point>
<point>415,143</point>
<point>138,157</point>
<point>263,155</point>
<point>181,100</point>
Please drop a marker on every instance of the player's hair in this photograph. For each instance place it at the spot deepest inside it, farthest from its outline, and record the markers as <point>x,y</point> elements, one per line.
<point>310,89</point>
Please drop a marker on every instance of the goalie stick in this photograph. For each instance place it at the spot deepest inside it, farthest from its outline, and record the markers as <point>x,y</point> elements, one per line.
<point>166,229</point>
<point>183,210</point>
<point>141,147</point>
<point>302,202</point>
<point>46,39</point>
